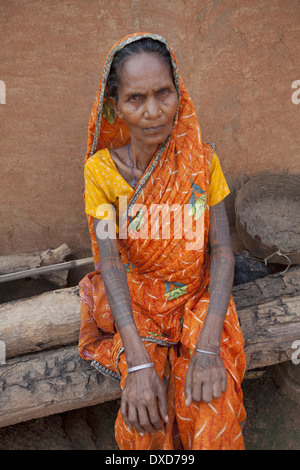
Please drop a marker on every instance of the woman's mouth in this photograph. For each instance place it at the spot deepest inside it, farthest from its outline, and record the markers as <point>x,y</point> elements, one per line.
<point>153,129</point>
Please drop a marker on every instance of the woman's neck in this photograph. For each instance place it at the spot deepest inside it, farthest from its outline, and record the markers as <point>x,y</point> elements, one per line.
<point>141,155</point>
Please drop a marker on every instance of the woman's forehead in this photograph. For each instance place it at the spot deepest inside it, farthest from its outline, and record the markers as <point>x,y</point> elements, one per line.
<point>144,67</point>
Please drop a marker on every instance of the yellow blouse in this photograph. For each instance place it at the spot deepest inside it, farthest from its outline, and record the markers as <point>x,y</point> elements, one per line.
<point>105,185</point>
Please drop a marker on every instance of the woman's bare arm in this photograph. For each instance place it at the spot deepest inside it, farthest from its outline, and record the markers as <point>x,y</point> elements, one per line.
<point>221,277</point>
<point>206,378</point>
<point>144,402</point>
<point>117,291</point>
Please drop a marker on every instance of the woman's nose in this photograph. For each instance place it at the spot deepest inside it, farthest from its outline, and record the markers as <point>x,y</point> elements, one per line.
<point>152,109</point>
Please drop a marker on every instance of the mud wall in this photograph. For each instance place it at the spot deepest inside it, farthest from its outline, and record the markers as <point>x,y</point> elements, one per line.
<point>239,61</point>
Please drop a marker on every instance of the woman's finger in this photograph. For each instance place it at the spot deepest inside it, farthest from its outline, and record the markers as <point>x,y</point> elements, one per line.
<point>155,417</point>
<point>134,420</point>
<point>145,420</point>
<point>217,389</point>
<point>124,413</point>
<point>197,390</point>
<point>207,392</point>
<point>163,404</point>
<point>188,387</point>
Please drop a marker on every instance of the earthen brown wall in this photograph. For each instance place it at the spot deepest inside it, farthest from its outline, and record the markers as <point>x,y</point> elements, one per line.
<point>238,60</point>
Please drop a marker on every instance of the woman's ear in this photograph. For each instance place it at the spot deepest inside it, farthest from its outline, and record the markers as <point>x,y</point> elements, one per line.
<point>113,103</point>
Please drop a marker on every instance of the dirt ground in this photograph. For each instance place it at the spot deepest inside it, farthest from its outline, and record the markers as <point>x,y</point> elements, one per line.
<point>273,423</point>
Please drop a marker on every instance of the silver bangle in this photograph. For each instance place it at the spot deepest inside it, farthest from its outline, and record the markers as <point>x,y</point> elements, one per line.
<point>206,352</point>
<point>141,367</point>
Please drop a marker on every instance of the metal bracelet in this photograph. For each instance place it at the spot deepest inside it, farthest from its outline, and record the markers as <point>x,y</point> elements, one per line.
<point>206,352</point>
<point>142,366</point>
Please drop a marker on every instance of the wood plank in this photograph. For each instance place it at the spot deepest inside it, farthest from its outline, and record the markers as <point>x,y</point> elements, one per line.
<point>55,380</point>
<point>53,318</point>
<point>50,382</point>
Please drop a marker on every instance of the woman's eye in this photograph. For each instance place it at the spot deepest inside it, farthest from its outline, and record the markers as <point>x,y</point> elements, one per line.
<point>163,91</point>
<point>135,98</point>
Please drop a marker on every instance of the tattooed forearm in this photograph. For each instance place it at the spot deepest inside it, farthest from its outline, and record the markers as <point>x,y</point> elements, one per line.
<point>117,291</point>
<point>118,295</point>
<point>220,282</point>
<point>222,262</point>
<point>115,280</point>
<point>221,278</point>
<point>219,226</point>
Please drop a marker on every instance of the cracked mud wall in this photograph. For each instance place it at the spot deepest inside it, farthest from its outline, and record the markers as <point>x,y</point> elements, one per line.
<point>238,59</point>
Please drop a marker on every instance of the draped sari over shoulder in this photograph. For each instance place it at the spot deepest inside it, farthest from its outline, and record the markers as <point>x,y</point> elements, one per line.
<point>163,242</point>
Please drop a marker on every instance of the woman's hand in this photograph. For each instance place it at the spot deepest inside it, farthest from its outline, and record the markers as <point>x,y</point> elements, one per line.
<point>205,379</point>
<point>144,401</point>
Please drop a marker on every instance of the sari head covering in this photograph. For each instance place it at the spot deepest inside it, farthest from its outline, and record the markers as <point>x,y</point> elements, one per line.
<point>167,268</point>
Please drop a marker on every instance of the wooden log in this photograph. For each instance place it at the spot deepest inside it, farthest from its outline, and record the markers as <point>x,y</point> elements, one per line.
<point>54,381</point>
<point>50,382</point>
<point>52,319</point>
<point>50,272</point>
<point>267,288</point>
<point>270,330</point>
<point>41,322</point>
<point>24,261</point>
<point>20,263</point>
<point>57,380</point>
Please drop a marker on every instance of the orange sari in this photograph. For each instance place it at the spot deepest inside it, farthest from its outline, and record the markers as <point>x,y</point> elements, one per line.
<point>168,279</point>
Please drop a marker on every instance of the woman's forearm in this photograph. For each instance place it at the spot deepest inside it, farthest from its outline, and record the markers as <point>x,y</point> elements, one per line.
<point>221,278</point>
<point>118,295</point>
<point>115,280</point>
<point>220,286</point>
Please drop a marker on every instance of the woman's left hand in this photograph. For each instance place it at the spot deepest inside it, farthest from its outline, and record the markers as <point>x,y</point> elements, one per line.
<point>206,378</point>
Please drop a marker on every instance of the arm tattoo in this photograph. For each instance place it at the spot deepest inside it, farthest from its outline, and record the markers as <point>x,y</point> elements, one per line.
<point>222,262</point>
<point>219,224</point>
<point>115,281</point>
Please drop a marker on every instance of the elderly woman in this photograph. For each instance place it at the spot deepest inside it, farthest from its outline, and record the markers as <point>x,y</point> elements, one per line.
<point>157,312</point>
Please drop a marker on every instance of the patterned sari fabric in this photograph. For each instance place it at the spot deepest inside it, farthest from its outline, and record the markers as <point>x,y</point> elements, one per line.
<point>166,256</point>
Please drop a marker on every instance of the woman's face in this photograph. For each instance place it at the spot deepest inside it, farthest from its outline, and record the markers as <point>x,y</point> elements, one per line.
<point>147,98</point>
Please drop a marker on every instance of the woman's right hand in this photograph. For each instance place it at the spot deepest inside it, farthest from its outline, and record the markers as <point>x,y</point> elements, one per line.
<point>144,401</point>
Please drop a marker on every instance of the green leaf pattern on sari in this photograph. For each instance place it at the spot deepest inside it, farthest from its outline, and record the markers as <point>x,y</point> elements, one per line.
<point>129,267</point>
<point>136,222</point>
<point>197,204</point>
<point>178,289</point>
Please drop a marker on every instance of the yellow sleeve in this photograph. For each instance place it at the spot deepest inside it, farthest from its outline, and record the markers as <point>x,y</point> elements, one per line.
<point>218,188</point>
<point>95,196</point>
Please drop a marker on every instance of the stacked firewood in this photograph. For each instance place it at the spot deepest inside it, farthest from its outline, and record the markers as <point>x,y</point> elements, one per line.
<point>42,373</point>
